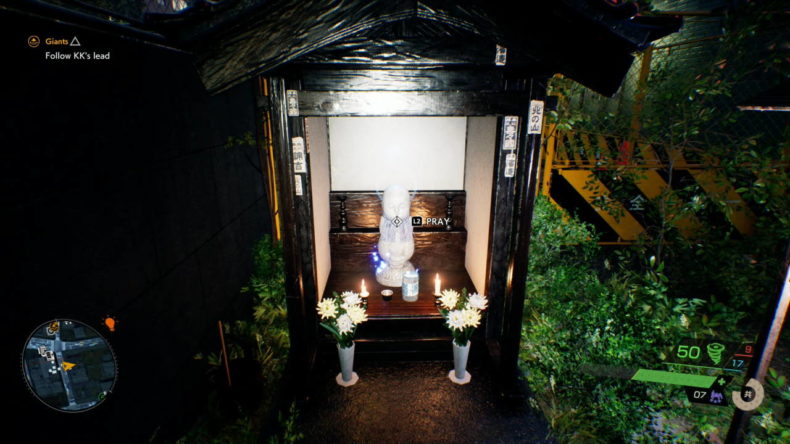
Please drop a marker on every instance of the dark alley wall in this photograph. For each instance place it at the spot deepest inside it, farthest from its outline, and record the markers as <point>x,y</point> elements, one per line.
<point>119,197</point>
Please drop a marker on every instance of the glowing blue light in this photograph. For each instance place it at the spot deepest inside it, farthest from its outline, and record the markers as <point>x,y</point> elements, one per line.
<point>376,259</point>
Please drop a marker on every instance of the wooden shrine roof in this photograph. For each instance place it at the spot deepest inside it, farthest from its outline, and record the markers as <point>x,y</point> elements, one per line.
<point>587,40</point>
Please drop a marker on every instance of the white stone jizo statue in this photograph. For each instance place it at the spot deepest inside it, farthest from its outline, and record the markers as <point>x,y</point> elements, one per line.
<point>396,241</point>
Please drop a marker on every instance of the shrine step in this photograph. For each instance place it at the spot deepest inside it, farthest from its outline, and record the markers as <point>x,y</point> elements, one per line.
<point>429,350</point>
<point>389,330</point>
<point>399,339</point>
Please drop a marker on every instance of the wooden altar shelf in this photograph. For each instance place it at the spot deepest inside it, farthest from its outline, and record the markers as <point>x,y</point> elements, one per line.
<point>433,250</point>
<point>397,308</point>
<point>354,231</point>
<point>363,208</point>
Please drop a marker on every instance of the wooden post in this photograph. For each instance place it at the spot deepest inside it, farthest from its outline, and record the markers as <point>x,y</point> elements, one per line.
<point>499,243</point>
<point>526,191</point>
<point>548,159</point>
<point>265,151</point>
<point>295,226</point>
<point>512,204</point>
<point>449,212</point>
<point>224,352</point>
<point>343,218</point>
<point>765,353</point>
<point>626,153</point>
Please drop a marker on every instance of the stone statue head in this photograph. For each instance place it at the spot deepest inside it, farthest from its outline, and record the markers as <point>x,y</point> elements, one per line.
<point>396,202</point>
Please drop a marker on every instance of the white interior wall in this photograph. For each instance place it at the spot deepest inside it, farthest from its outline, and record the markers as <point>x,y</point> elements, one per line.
<point>480,145</point>
<point>420,153</point>
<point>317,141</point>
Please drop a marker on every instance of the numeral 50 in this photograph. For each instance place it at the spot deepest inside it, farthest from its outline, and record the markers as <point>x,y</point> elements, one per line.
<point>686,351</point>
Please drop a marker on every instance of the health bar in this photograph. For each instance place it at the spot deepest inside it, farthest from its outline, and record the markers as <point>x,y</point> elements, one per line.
<point>664,377</point>
<point>659,376</point>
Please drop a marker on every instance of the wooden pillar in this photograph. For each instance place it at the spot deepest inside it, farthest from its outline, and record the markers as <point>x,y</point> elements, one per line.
<point>527,186</point>
<point>502,200</point>
<point>513,202</point>
<point>297,232</point>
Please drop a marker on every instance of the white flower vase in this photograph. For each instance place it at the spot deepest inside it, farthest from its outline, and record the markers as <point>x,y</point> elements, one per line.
<point>347,376</point>
<point>459,375</point>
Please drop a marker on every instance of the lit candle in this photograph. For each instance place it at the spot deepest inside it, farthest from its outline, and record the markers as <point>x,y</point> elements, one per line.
<point>364,293</point>
<point>437,287</point>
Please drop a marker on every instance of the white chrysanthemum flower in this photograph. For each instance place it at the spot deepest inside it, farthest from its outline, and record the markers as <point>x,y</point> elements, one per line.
<point>327,309</point>
<point>455,319</point>
<point>357,314</point>
<point>471,317</point>
<point>449,299</point>
<point>350,299</point>
<point>344,324</point>
<point>477,301</point>
<point>348,294</point>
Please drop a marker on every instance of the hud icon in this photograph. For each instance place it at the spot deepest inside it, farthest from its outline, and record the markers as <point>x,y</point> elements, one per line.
<point>68,366</point>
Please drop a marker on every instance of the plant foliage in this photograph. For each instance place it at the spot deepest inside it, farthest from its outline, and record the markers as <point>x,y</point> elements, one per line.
<point>585,307</point>
<point>626,307</point>
<point>264,339</point>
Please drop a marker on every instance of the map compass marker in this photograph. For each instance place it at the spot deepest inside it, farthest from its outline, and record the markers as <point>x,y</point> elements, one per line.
<point>67,365</point>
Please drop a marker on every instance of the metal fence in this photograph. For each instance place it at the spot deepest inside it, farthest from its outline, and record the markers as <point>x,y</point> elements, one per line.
<point>592,133</point>
<point>679,58</point>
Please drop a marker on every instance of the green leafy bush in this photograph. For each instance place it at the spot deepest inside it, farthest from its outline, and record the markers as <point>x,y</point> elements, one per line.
<point>288,424</point>
<point>627,307</point>
<point>575,317</point>
<point>771,424</point>
<point>262,339</point>
<point>269,326</point>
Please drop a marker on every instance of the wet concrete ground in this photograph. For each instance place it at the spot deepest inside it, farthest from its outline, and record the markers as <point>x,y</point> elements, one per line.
<point>415,402</point>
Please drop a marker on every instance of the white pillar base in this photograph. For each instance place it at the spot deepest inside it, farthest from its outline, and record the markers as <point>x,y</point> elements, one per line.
<point>341,382</point>
<point>465,380</point>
